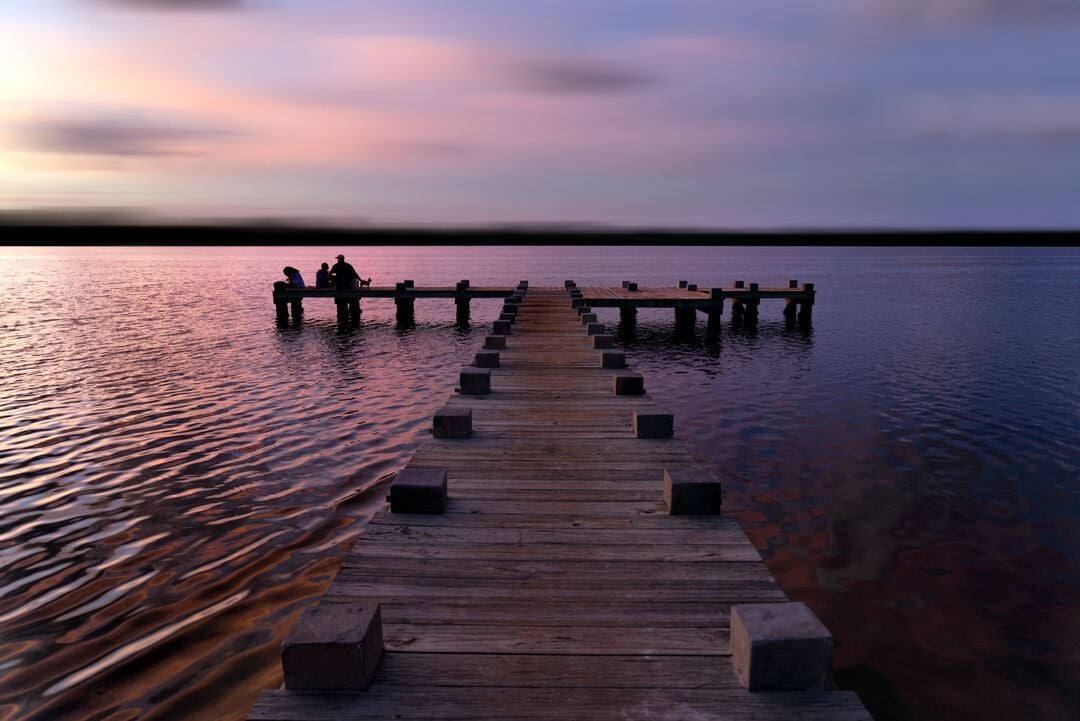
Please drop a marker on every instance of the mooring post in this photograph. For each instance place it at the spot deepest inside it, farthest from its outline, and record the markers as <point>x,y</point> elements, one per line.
<point>692,491</point>
<point>740,284</point>
<point>780,647</point>
<point>683,283</point>
<point>486,359</point>
<point>628,384</point>
<point>418,490</point>
<point>793,284</point>
<point>612,359</point>
<point>475,381</point>
<point>656,423</point>
<point>691,286</point>
<point>333,647</point>
<point>452,422</point>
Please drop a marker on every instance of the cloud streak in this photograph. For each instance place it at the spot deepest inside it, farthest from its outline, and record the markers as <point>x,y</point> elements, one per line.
<point>578,76</point>
<point>114,137</point>
<point>175,4</point>
<point>963,13</point>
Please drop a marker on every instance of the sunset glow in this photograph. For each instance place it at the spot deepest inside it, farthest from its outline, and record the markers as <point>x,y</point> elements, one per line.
<point>935,113</point>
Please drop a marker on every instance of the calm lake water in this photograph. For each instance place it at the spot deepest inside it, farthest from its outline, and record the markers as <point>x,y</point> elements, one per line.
<point>179,476</point>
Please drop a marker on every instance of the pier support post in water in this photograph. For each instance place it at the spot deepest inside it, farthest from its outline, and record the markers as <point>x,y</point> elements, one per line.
<point>806,307</point>
<point>685,318</point>
<point>297,309</point>
<point>738,311</point>
<point>354,310</point>
<point>334,647</point>
<point>656,423</point>
<point>628,315</point>
<point>418,490</point>
<point>692,491</point>
<point>406,305</point>
<point>751,306</point>
<point>780,647</point>
<point>452,423</point>
<point>282,308</point>
<point>342,310</point>
<point>791,309</point>
<point>462,303</point>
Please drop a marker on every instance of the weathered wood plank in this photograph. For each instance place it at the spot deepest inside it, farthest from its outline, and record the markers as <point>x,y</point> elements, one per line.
<point>482,703</point>
<point>555,585</point>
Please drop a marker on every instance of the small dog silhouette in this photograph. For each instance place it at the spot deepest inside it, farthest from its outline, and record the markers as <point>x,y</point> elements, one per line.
<point>365,282</point>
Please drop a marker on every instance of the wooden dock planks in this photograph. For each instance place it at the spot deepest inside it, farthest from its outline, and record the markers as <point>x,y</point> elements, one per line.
<point>555,586</point>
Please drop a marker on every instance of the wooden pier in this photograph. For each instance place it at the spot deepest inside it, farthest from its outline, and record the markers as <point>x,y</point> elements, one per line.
<point>686,299</point>
<point>553,552</point>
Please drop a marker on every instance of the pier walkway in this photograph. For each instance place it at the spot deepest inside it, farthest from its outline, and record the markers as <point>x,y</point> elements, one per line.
<point>556,585</point>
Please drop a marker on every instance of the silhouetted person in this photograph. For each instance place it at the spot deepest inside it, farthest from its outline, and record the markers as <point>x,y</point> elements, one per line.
<point>295,279</point>
<point>343,274</point>
<point>322,277</point>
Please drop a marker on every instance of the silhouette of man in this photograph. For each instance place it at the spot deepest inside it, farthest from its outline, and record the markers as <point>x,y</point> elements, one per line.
<point>342,274</point>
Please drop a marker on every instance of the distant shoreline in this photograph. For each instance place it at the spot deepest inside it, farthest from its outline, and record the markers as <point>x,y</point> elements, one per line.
<point>76,231</point>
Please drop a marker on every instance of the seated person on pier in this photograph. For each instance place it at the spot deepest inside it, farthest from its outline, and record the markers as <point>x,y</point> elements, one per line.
<point>295,279</point>
<point>345,277</point>
<point>322,276</point>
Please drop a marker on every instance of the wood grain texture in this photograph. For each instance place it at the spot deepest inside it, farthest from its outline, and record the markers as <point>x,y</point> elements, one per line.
<point>556,585</point>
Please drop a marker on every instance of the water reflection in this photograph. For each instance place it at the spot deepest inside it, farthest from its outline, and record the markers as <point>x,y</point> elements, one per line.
<point>175,485</point>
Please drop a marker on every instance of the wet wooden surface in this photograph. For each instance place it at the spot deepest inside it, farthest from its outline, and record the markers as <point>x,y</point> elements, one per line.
<point>555,586</point>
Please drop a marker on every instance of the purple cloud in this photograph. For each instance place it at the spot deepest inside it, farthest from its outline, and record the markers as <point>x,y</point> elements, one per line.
<point>108,137</point>
<point>952,13</point>
<point>579,76</point>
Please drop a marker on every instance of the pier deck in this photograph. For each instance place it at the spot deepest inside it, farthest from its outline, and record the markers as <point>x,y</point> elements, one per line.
<point>555,585</point>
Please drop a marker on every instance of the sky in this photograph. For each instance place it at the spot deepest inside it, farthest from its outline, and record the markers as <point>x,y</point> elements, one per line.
<point>760,114</point>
